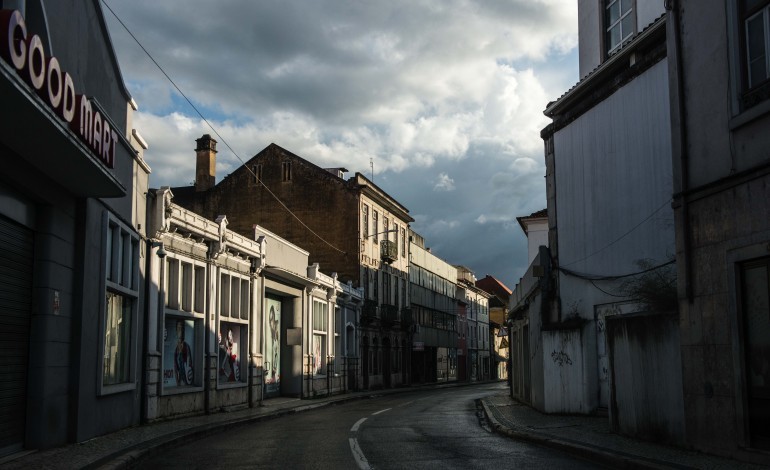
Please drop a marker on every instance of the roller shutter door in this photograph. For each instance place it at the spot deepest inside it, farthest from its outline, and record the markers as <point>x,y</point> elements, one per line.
<point>15,309</point>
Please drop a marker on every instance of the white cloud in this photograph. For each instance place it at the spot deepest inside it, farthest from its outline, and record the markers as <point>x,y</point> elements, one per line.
<point>444,183</point>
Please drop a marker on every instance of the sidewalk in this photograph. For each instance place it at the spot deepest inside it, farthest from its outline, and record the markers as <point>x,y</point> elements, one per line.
<point>590,437</point>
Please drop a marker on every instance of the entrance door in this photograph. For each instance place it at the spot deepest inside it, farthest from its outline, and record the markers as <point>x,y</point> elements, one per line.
<point>15,309</point>
<point>273,347</point>
<point>756,320</point>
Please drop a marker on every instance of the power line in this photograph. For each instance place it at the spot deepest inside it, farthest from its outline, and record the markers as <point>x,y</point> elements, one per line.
<point>622,236</point>
<point>600,277</point>
<point>222,139</point>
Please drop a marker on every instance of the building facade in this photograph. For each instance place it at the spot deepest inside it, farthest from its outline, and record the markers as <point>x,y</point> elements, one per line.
<point>473,307</point>
<point>608,185</point>
<point>365,245</point>
<point>719,105</point>
<point>72,212</point>
<point>432,286</point>
<point>500,296</point>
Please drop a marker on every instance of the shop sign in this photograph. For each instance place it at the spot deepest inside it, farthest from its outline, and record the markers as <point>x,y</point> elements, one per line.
<point>55,86</point>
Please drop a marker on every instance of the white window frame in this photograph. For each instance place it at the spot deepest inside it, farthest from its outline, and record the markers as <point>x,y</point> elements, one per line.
<point>624,36</point>
<point>120,275</point>
<point>321,330</point>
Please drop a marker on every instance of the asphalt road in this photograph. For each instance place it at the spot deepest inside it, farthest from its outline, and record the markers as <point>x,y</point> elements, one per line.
<point>441,429</point>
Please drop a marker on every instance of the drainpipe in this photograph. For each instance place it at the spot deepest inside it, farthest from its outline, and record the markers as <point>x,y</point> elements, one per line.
<point>262,343</point>
<point>673,7</point>
<point>207,331</point>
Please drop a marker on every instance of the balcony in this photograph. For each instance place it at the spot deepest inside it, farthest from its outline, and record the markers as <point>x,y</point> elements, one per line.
<point>369,313</point>
<point>389,314</point>
<point>388,251</point>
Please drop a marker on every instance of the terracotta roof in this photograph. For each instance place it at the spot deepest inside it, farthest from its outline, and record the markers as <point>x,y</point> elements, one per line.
<point>543,213</point>
<point>494,286</point>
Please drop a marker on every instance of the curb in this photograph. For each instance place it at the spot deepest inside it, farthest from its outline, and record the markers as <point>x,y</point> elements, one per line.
<point>588,452</point>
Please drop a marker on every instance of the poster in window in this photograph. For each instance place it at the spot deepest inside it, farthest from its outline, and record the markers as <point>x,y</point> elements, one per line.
<point>273,345</point>
<point>178,353</point>
<point>229,360</point>
<point>319,347</point>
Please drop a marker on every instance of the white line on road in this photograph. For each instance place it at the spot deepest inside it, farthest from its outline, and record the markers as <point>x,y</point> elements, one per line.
<point>363,464</point>
<point>381,411</point>
<point>357,425</point>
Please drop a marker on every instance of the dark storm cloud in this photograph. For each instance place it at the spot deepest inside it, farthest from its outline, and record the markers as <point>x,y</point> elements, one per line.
<point>445,97</point>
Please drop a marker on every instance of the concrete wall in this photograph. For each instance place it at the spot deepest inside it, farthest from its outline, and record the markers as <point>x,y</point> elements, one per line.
<point>563,371</point>
<point>646,377</point>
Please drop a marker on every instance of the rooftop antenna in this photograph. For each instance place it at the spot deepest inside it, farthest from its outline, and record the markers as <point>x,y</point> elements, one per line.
<point>371,164</point>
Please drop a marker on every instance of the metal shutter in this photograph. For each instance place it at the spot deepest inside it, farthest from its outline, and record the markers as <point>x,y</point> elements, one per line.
<point>15,307</point>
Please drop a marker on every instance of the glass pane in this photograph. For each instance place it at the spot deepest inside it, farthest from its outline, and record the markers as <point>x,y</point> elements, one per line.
<point>613,12</point>
<point>627,26</point>
<point>200,289</point>
<point>625,6</point>
<point>224,294</point>
<point>117,340</point>
<point>235,298</point>
<point>108,253</point>
<point>613,37</point>
<point>245,300</point>
<point>755,38</point>
<point>187,286</point>
<point>229,359</point>
<point>179,353</point>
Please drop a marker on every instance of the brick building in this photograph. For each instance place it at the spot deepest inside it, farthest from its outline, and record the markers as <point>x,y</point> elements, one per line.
<point>350,227</point>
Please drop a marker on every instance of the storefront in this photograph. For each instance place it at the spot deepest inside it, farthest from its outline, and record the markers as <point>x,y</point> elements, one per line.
<point>71,204</point>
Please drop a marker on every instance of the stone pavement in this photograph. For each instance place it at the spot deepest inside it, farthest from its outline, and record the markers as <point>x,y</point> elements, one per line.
<point>586,436</point>
<point>590,437</point>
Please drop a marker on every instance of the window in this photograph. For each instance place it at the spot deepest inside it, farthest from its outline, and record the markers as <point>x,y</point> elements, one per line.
<point>185,300</point>
<point>257,170</point>
<point>365,223</point>
<point>320,322</point>
<point>403,242</point>
<point>286,171</point>
<point>121,298</point>
<point>620,23</point>
<point>234,310</point>
<point>375,293</point>
<point>376,226</point>
<point>339,349</point>
<point>385,288</point>
<point>395,237</point>
<point>756,20</point>
<point>385,228</point>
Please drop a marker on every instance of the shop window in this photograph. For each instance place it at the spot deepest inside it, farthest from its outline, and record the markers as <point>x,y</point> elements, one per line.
<point>232,337</point>
<point>185,282</point>
<point>119,331</point>
<point>182,352</point>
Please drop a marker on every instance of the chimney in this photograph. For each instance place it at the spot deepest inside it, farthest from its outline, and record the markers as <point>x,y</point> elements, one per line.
<point>205,163</point>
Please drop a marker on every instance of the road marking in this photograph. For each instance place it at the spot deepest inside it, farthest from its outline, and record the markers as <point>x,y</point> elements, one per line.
<point>357,425</point>
<point>381,411</point>
<point>363,464</point>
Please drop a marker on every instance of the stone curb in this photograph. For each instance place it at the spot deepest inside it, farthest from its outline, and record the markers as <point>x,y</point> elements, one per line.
<point>594,454</point>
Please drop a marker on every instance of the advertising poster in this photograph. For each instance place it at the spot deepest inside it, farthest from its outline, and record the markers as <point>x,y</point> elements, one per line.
<point>229,360</point>
<point>273,345</point>
<point>178,353</point>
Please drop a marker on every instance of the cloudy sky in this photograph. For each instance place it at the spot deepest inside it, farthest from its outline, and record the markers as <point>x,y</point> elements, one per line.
<point>445,97</point>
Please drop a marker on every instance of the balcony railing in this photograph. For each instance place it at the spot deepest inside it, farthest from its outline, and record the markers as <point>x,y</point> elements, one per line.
<point>389,314</point>
<point>388,251</point>
<point>369,313</point>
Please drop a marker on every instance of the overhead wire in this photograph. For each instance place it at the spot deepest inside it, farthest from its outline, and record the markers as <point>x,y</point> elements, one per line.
<point>624,235</point>
<point>222,139</point>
